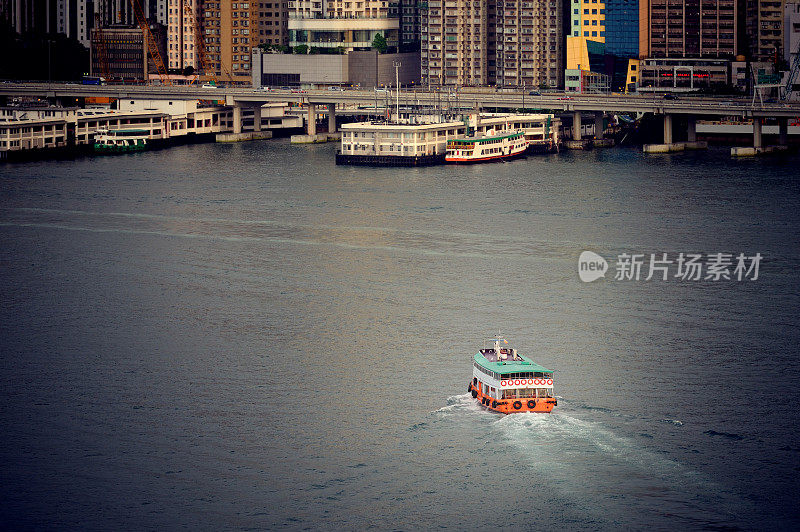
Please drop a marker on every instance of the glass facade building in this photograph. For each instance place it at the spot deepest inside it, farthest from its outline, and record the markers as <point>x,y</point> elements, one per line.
<point>622,27</point>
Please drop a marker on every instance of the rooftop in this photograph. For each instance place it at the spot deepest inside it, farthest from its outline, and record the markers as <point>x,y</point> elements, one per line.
<point>488,358</point>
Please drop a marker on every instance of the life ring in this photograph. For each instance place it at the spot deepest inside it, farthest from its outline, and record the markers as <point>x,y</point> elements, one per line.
<point>549,382</point>
<point>494,404</point>
<point>537,382</point>
<point>517,405</point>
<point>474,394</point>
<point>531,404</point>
<point>502,383</point>
<point>530,381</point>
<point>516,383</point>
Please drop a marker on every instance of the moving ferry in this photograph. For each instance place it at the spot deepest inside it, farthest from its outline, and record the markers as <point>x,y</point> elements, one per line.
<point>509,383</point>
<point>494,145</point>
<point>120,140</point>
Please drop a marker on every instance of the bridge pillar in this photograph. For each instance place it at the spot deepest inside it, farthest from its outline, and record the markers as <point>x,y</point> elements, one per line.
<point>237,119</point>
<point>667,129</point>
<point>783,131</point>
<point>598,125</point>
<point>311,120</point>
<point>331,118</point>
<point>257,118</point>
<point>758,141</point>
<point>691,130</point>
<point>576,125</point>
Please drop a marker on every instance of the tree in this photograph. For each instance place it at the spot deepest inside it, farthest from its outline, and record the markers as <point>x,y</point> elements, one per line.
<point>379,43</point>
<point>301,49</point>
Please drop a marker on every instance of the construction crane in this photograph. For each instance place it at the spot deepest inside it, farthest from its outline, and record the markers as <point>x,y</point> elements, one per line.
<point>787,91</point>
<point>100,48</point>
<point>150,43</point>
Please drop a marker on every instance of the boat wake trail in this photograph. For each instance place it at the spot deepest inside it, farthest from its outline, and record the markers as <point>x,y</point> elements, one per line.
<point>612,474</point>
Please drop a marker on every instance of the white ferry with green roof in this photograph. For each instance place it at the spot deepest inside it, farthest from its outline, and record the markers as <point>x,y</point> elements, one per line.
<point>510,383</point>
<point>494,145</point>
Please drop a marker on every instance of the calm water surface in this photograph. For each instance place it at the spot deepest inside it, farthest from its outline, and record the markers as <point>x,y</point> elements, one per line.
<point>247,336</point>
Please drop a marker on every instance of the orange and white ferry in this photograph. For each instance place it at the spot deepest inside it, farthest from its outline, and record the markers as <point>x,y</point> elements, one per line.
<point>494,145</point>
<point>509,383</point>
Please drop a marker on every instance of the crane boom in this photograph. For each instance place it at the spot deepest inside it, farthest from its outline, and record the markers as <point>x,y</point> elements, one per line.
<point>100,47</point>
<point>150,43</point>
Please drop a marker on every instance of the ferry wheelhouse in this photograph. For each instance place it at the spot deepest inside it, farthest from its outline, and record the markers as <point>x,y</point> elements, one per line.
<point>509,383</point>
<point>120,140</point>
<point>493,145</point>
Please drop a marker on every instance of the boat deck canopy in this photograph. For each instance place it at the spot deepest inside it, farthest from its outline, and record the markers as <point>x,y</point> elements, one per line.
<point>506,362</point>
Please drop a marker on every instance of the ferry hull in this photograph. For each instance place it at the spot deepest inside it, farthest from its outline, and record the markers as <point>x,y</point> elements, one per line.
<point>493,158</point>
<point>542,405</point>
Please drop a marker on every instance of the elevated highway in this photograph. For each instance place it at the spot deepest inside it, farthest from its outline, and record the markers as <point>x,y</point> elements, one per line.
<point>325,101</point>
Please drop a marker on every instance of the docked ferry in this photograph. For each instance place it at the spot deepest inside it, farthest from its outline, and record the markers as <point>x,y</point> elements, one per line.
<point>509,383</point>
<point>120,140</point>
<point>494,145</point>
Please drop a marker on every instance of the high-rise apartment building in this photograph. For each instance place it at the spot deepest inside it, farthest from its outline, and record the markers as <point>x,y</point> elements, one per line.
<point>688,28</point>
<point>530,43</point>
<point>230,32</point>
<point>764,23</point>
<point>273,25</point>
<point>456,43</point>
<point>409,25</point>
<point>791,31</point>
<point>182,21</point>
<point>342,24</point>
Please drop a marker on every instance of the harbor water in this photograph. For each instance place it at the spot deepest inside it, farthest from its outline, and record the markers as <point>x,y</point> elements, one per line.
<point>248,336</point>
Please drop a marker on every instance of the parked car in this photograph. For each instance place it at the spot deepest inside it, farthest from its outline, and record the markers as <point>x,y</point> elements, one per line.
<point>669,96</point>
<point>381,89</point>
<point>208,86</point>
<point>534,93</point>
<point>335,88</point>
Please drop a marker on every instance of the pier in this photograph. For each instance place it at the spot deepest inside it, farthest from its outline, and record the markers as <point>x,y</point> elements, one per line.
<point>583,107</point>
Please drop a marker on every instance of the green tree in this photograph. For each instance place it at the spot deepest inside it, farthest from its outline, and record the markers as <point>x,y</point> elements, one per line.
<point>301,49</point>
<point>379,43</point>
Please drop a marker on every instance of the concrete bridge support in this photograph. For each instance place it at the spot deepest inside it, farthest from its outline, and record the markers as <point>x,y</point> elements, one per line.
<point>257,119</point>
<point>237,119</point>
<point>758,141</point>
<point>576,125</point>
<point>691,129</point>
<point>667,129</point>
<point>311,120</point>
<point>783,131</point>
<point>331,118</point>
<point>598,125</point>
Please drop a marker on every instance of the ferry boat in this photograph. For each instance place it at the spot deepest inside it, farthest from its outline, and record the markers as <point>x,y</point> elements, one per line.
<point>120,140</point>
<point>507,382</point>
<point>492,146</point>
